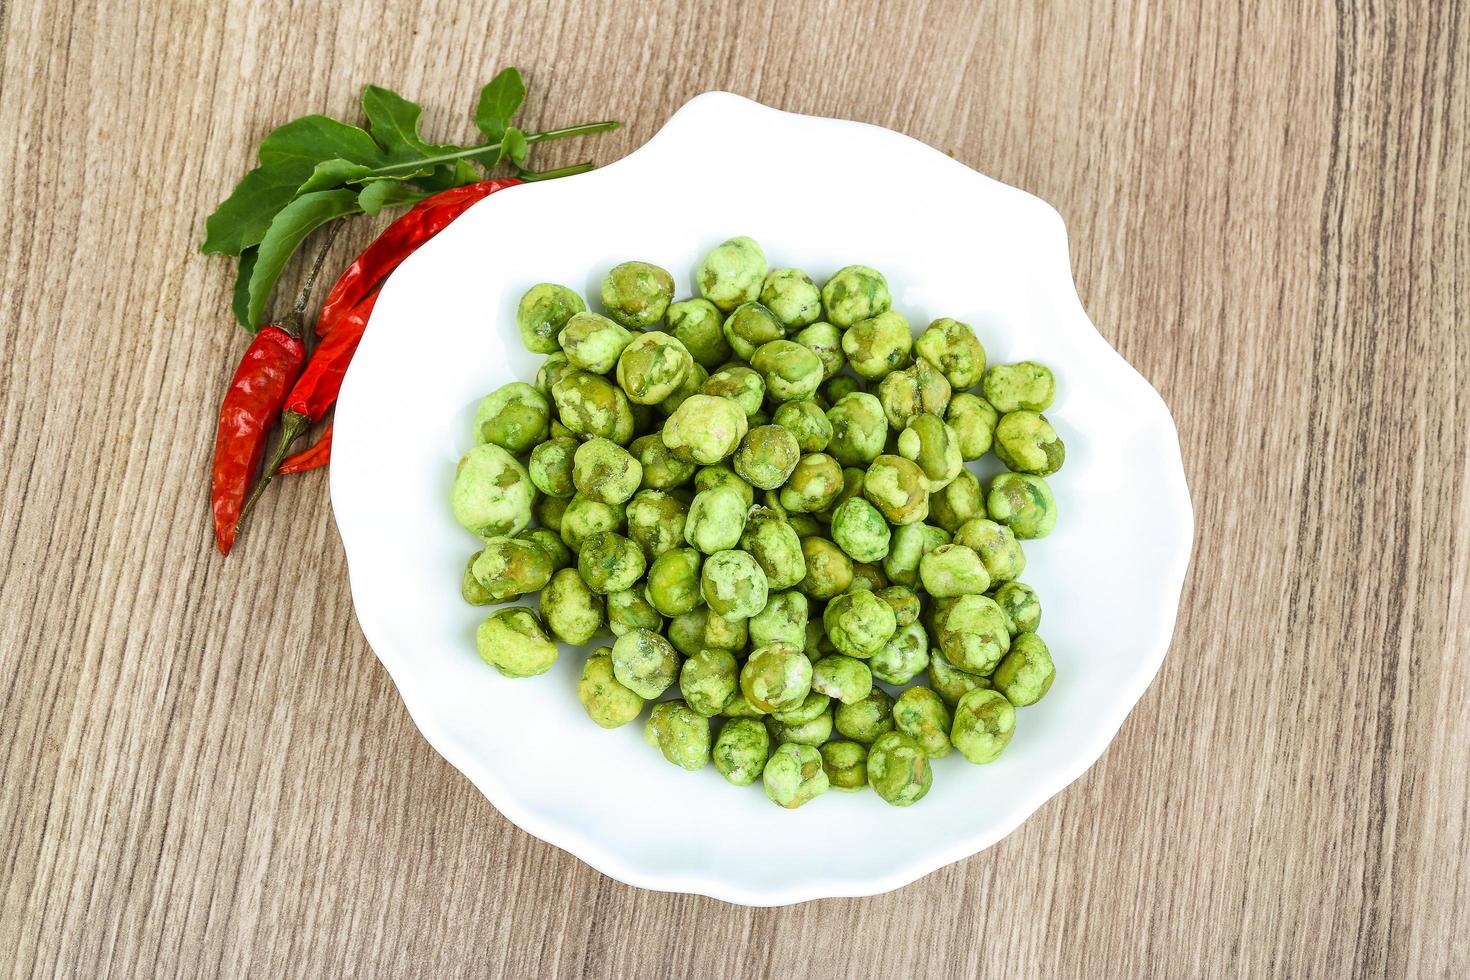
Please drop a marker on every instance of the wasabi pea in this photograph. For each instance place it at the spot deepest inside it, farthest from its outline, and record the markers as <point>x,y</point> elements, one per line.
<point>825,341</point>
<point>812,732</point>
<point>609,562</point>
<point>904,602</point>
<point>905,654</point>
<point>686,630</point>
<point>792,297</point>
<point>844,678</point>
<point>470,588</point>
<point>997,547</point>
<point>859,623</point>
<point>550,542</point>
<point>716,520</point>
<point>551,466</point>
<point>984,722</point>
<point>1026,442</point>
<point>794,775</point>
<point>951,683</point>
<point>697,324</point>
<point>572,612</point>
<point>662,470</point>
<point>953,348</point>
<point>725,633</point>
<point>807,423</point>
<point>783,620</point>
<point>593,343</point>
<point>606,472</point>
<point>1024,385</point>
<point>592,406</point>
<point>953,570</point>
<point>860,530</point>
<point>859,429</point>
<point>791,372</point>
<point>878,345</point>
<point>723,475</point>
<point>867,576</point>
<point>514,417</point>
<point>1023,503</point>
<point>839,387</point>
<point>898,488</point>
<point>921,715</point>
<point>732,273</point>
<point>971,631</point>
<point>864,721</point>
<point>740,707</point>
<point>608,703</point>
<point>544,309</point>
<point>1024,675</point>
<point>673,581</point>
<point>644,662</point>
<point>846,765</point>
<point>933,445</point>
<point>733,584</point>
<point>898,769</point>
<point>958,501</point>
<point>739,383</point>
<point>652,367</point>
<point>813,484</point>
<point>655,522</point>
<point>828,569</point>
<point>492,492</point>
<point>911,543</point>
<point>749,326</point>
<point>549,511</point>
<point>556,367</point>
<point>774,545</point>
<point>776,677</point>
<point>741,750</point>
<point>509,567</point>
<point>708,680</point>
<point>514,642</point>
<point>855,293</point>
<point>973,420</point>
<point>584,517</point>
<point>766,456</point>
<point>630,610</point>
<point>680,733</point>
<point>705,429</point>
<point>636,294</point>
<point>1020,604</point>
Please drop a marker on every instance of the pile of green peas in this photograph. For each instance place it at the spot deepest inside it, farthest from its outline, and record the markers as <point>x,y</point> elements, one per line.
<point>761,494</point>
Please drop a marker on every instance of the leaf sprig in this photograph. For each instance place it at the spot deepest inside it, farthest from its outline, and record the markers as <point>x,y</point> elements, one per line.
<point>316,169</point>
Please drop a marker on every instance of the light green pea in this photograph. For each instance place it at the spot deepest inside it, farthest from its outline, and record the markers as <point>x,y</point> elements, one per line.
<point>859,429</point>
<point>697,324</point>
<point>905,603</point>
<point>652,367</point>
<point>953,348</point>
<point>776,677</point>
<point>828,569</point>
<point>739,383</point>
<point>610,562</point>
<point>593,342</point>
<point>492,492</point>
<point>733,584</point>
<point>552,370</point>
<point>655,522</point>
<point>845,678</point>
<point>973,421</point>
<point>806,422</point>
<point>1024,675</point>
<point>860,530</point>
<point>548,512</point>
<point>794,775</point>
<point>514,417</point>
<point>825,341</point>
<point>1027,443</point>
<point>878,345</point>
<point>722,633</point>
<point>572,612</point>
<point>708,680</point>
<point>686,630</point>
<point>509,567</point>
<point>859,623</point>
<point>767,456</point>
<point>551,466</point>
<point>630,610</point>
<point>723,475</point>
<point>1020,604</point>
<point>852,486</point>
<point>1023,385</point>
<point>591,406</point>
<point>953,570</point>
<point>544,309</point>
<point>740,707</point>
<point>865,720</point>
<point>838,387</point>
<point>898,769</point>
<point>741,750</point>
<point>673,581</point>
<point>783,620</point>
<point>607,702</point>
<point>776,548</point>
<point>904,655</point>
<point>693,383</point>
<point>585,517</point>
<point>984,722</point>
<point>921,715</point>
<point>716,520</point>
<point>971,631</point>
<point>958,501</point>
<point>636,294</point>
<point>846,765</point>
<point>470,588</point>
<point>606,472</point>
<point>749,326</point>
<point>680,733</point>
<point>792,297</point>
<point>644,662</point>
<point>550,542</point>
<point>855,292</point>
<point>1023,503</point>
<point>732,273</point>
<point>662,470</point>
<point>817,646</point>
<point>997,547</point>
<point>705,429</point>
<point>813,732</point>
<point>898,488</point>
<point>911,543</point>
<point>791,372</point>
<point>867,576</point>
<point>813,484</point>
<point>932,444</point>
<point>951,683</point>
<point>514,642</point>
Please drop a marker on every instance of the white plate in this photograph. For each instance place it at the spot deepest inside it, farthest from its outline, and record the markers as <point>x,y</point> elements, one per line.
<point>818,194</point>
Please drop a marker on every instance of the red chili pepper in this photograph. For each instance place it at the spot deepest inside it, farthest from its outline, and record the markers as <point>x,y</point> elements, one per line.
<point>251,406</point>
<point>397,242</point>
<point>317,455</point>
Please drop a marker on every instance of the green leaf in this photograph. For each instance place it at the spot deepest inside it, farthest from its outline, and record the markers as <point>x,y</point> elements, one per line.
<point>333,173</point>
<point>242,218</point>
<point>498,103</point>
<point>241,301</point>
<point>389,193</point>
<point>514,145</point>
<point>291,225</point>
<point>303,143</point>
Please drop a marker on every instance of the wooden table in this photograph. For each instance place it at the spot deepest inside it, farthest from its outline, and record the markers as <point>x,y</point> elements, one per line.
<point>205,772</point>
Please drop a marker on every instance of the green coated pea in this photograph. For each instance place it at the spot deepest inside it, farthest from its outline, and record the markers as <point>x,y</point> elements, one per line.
<point>644,662</point>
<point>607,702</point>
<point>859,429</point>
<point>794,775</point>
<point>905,603</point>
<point>805,525</point>
<point>591,406</point>
<point>655,522</point>
<point>865,720</point>
<point>551,466</point>
<point>693,383</point>
<point>1024,675</point>
<point>813,732</point>
<point>855,293</point>
<point>767,456</point>
<point>544,309</point>
<point>630,610</point>
<point>606,472</point>
<point>723,475</point>
<point>550,542</point>
<point>911,543</point>
<point>953,348</point>
<point>548,512</point>
<point>652,367</point>
<point>1020,604</point>
<point>698,323</point>
<point>776,548</point>
<point>593,343</point>
<point>749,326</point>
<point>705,429</point>
<point>1023,503</point>
<point>708,680</point>
<point>662,470</point>
<point>898,769</point>
<point>673,581</point>
<point>846,765</point>
<point>552,370</point>
<point>951,683</point>
<point>492,493</point>
<point>904,655</point>
<point>860,530</point>
<point>716,520</point>
<point>898,488</point>
<point>807,423</point>
<point>791,372</point>
<point>852,486</point>
<point>509,567</point>
<point>828,569</point>
<point>514,642</point>
<point>686,630</point>
<point>792,297</point>
<point>680,733</point>
<point>740,707</point>
<point>739,383</point>
<point>584,517</point>
<point>741,750</point>
<point>776,677</point>
<point>1023,385</point>
<point>953,570</point>
<point>973,421</point>
<point>572,612</point>
<point>845,678</point>
<point>921,715</point>
<point>984,722</point>
<point>867,576</point>
<point>825,341</point>
<point>470,588</point>
<point>878,345</point>
<point>836,388</point>
<point>783,620</point>
<point>636,294</point>
<point>733,584</point>
<point>514,417</point>
<point>610,562</point>
<point>932,444</point>
<point>958,501</point>
<point>972,634</point>
<point>997,547</point>
<point>859,623</point>
<point>1026,442</point>
<point>813,484</point>
<point>726,633</point>
<point>732,273</point>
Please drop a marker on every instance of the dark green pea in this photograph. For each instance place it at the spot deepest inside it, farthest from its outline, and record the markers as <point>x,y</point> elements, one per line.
<point>558,431</point>
<point>921,715</point>
<point>655,522</point>
<point>838,387</point>
<point>606,472</point>
<point>845,678</point>
<point>550,542</point>
<point>898,769</point>
<point>984,722</point>
<point>1023,503</point>
<point>860,530</point>
<point>697,323</point>
<point>846,765</point>
<point>878,344</point>
<point>708,680</point>
<point>859,429</point>
<point>1020,604</point>
<point>956,502</point>
<point>592,406</point>
<point>825,341</point>
<point>680,733</point>
<point>1024,675</point>
<point>813,484</point>
<point>673,581</point>
<point>741,750</point>
<point>792,297</point>
<point>514,417</point>
<point>610,562</point>
<point>722,633</point>
<point>904,655</point>
<point>607,702</point>
<point>1026,442</point>
<point>630,610</point>
<point>854,293</point>
<point>470,588</point>
<point>865,720</point>
<point>549,512</point>
<point>514,642</point>
<point>867,576</point>
<point>509,567</point>
<point>544,309</point>
<point>828,569</point>
<point>805,525</point>
<point>636,294</point>
<point>644,662</point>
<point>1023,385</point>
<point>973,422</point>
<point>953,348</point>
<point>573,612</point>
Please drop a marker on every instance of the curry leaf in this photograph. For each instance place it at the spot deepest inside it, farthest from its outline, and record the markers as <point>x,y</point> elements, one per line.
<point>498,103</point>
<point>514,145</point>
<point>242,218</point>
<point>388,193</point>
<point>292,224</point>
<point>241,302</point>
<point>307,141</point>
<point>333,173</point>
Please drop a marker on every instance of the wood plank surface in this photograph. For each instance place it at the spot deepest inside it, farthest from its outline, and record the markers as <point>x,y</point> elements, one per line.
<point>204,772</point>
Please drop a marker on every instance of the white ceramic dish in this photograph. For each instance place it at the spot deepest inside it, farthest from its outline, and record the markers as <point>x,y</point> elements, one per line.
<point>819,194</point>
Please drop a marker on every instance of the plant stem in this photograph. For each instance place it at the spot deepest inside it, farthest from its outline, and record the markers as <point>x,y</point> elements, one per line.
<point>576,168</point>
<point>476,151</point>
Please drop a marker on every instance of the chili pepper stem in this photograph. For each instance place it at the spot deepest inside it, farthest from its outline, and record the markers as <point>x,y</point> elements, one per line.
<point>476,151</point>
<point>293,424</point>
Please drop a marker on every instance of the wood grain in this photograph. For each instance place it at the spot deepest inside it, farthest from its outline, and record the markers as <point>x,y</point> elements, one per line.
<point>205,772</point>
